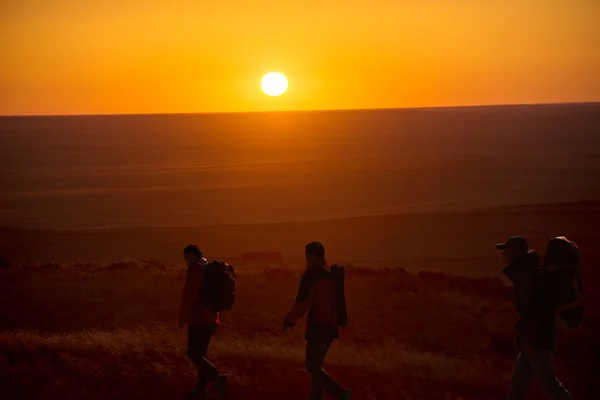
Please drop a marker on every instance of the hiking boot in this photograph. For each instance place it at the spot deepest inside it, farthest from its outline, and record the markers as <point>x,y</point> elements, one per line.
<point>221,385</point>
<point>346,395</point>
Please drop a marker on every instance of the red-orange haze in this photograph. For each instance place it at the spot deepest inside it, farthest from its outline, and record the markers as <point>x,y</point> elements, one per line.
<point>71,57</point>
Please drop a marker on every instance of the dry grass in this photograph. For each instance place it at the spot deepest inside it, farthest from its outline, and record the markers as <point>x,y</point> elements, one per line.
<point>89,331</point>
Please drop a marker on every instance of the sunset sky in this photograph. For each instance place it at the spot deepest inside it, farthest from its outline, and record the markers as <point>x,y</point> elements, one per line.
<point>127,56</point>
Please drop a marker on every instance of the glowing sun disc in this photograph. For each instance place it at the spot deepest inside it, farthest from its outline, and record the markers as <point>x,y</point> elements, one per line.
<point>274,83</point>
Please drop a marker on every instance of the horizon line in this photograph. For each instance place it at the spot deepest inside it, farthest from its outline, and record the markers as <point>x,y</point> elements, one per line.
<point>421,108</point>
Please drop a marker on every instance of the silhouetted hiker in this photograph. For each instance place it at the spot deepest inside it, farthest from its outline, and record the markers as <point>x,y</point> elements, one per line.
<point>321,293</point>
<point>201,321</point>
<point>535,335</point>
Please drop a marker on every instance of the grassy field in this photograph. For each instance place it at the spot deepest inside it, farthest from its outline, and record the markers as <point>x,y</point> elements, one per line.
<point>109,331</point>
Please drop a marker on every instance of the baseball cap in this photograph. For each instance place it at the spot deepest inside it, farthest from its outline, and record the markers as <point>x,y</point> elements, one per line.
<point>514,243</point>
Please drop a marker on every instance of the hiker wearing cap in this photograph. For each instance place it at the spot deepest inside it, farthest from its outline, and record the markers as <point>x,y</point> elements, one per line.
<point>201,321</point>
<point>321,294</point>
<point>535,336</point>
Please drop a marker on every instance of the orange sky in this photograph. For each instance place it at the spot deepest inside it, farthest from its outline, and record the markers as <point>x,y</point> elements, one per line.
<point>129,56</point>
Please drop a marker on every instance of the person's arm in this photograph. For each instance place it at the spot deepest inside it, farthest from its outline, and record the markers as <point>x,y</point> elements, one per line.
<point>304,300</point>
<point>525,275</point>
<point>194,281</point>
<point>526,293</point>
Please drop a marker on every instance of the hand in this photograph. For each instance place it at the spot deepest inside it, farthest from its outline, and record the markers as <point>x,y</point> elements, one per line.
<point>181,323</point>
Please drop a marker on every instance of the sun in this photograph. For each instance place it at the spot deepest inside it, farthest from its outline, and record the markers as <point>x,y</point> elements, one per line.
<point>274,83</point>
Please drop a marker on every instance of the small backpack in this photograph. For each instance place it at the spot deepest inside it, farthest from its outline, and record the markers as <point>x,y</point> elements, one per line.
<point>562,274</point>
<point>219,286</point>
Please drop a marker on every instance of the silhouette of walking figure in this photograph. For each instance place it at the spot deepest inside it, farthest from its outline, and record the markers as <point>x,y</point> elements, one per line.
<point>535,335</point>
<point>321,294</point>
<point>201,321</point>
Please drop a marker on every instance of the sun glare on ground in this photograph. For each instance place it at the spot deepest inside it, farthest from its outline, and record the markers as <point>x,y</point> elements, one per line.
<point>274,83</point>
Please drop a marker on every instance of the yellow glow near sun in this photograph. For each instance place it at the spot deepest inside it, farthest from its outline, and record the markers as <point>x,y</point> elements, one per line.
<point>274,83</point>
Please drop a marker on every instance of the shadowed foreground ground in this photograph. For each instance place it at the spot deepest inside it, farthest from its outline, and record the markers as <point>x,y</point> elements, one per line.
<point>89,331</point>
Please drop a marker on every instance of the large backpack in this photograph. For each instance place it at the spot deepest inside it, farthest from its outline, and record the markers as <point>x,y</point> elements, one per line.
<point>562,274</point>
<point>339,293</point>
<point>219,286</point>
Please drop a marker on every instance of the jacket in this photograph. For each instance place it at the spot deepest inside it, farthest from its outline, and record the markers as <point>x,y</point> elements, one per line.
<point>536,315</point>
<point>318,296</point>
<point>193,309</point>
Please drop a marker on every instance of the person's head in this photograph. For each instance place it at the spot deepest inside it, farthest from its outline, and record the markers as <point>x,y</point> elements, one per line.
<point>192,254</point>
<point>315,255</point>
<point>513,249</point>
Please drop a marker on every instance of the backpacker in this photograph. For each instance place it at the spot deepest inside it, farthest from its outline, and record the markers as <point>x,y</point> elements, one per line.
<point>562,275</point>
<point>219,286</point>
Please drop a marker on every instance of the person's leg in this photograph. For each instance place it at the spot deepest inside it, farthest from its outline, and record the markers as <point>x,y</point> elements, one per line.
<point>330,385</point>
<point>198,341</point>
<point>542,366</point>
<point>209,371</point>
<point>196,348</point>
<point>521,379</point>
<point>316,349</point>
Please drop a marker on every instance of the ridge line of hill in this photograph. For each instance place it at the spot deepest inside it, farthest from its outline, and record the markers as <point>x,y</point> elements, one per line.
<point>590,205</point>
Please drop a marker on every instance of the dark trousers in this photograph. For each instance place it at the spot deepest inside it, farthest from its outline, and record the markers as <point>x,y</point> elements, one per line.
<point>197,347</point>
<point>539,365</point>
<point>316,350</point>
